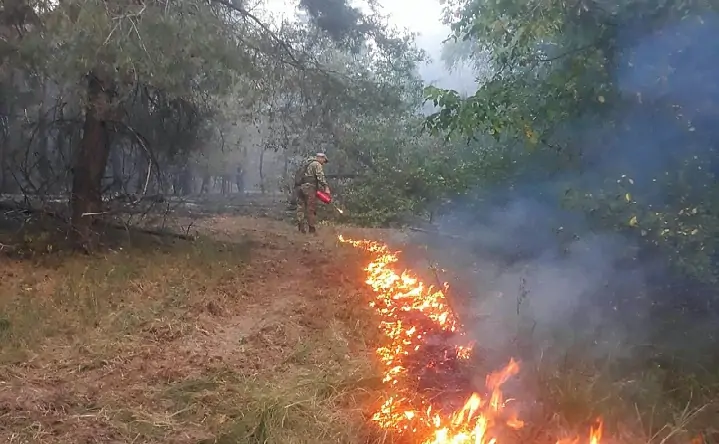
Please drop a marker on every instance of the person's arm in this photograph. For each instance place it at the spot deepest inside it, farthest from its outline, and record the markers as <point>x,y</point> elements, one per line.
<point>320,175</point>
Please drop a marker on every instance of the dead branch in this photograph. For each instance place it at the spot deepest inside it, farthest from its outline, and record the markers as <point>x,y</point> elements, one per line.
<point>159,233</point>
<point>27,210</point>
<point>150,159</point>
<point>4,247</point>
<point>436,233</point>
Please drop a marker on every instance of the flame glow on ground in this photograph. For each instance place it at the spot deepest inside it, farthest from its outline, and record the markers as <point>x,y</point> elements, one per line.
<point>414,319</point>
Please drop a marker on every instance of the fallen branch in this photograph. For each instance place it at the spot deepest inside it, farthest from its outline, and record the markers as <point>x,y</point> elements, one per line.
<point>159,233</point>
<point>38,211</point>
<point>436,233</point>
<point>4,247</point>
<point>27,210</point>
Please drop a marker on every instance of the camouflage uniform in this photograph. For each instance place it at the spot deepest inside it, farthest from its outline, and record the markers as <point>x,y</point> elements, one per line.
<point>312,180</point>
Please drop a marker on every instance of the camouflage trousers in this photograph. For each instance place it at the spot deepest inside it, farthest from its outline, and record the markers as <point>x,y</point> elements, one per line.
<point>306,205</point>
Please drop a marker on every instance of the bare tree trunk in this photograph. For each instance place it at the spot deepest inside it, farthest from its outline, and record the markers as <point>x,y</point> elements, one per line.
<point>116,162</point>
<point>61,142</point>
<point>141,169</point>
<point>90,161</point>
<point>262,173</point>
<point>44,169</point>
<point>3,167</point>
<point>205,186</point>
<point>186,181</point>
<point>12,142</point>
<point>4,139</point>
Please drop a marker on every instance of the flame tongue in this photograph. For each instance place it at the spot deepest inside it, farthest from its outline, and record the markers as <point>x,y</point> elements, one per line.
<point>420,363</point>
<point>418,357</point>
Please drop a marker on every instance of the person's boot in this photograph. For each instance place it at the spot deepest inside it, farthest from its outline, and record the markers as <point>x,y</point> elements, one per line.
<point>301,227</point>
<point>313,230</point>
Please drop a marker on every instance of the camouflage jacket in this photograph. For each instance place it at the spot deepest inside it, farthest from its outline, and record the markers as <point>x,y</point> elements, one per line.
<point>314,174</point>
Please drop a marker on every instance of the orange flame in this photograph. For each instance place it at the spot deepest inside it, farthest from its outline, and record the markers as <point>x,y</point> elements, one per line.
<point>410,313</point>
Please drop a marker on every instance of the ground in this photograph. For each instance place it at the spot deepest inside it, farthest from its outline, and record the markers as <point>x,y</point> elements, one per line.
<point>251,334</point>
<point>254,333</point>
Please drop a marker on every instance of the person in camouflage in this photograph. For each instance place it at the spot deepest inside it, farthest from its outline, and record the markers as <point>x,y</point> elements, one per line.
<point>309,178</point>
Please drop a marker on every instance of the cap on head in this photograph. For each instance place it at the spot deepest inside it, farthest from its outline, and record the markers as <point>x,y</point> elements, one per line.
<point>322,156</point>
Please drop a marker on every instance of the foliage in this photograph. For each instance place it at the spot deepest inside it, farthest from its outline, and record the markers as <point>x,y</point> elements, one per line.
<point>618,96</point>
<point>410,173</point>
<point>195,85</point>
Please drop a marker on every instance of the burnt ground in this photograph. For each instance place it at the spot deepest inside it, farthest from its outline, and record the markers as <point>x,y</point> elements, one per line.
<point>251,334</point>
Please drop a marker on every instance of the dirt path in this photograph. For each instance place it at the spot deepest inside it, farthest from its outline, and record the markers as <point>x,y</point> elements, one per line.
<point>257,336</point>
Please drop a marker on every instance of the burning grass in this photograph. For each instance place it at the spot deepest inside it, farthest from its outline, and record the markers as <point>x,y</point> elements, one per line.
<point>264,337</point>
<point>423,355</point>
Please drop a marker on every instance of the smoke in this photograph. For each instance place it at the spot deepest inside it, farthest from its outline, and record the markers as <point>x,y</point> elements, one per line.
<point>544,280</point>
<point>536,292</point>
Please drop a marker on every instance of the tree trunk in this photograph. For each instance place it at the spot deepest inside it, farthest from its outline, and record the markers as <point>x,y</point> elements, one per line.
<point>262,172</point>
<point>45,180</point>
<point>175,180</point>
<point>90,162</point>
<point>141,167</point>
<point>11,145</point>
<point>61,142</point>
<point>116,164</point>
<point>186,181</point>
<point>205,186</point>
<point>3,168</point>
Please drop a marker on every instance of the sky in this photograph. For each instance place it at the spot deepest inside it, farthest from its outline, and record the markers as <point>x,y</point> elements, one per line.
<point>422,17</point>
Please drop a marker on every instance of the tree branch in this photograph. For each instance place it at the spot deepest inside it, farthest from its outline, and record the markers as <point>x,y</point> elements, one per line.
<point>248,15</point>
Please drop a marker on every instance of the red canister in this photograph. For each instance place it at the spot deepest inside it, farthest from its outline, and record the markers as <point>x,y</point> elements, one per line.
<point>323,197</point>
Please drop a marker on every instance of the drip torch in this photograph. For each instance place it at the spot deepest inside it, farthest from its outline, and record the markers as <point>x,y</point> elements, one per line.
<point>327,199</point>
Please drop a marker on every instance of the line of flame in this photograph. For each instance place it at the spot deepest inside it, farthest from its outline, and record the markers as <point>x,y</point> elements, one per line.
<point>397,297</point>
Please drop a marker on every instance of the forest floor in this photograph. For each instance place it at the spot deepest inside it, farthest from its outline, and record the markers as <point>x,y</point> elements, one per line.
<point>251,334</point>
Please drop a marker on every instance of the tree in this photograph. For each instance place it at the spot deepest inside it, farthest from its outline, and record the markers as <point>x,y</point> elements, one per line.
<point>122,50</point>
<point>145,80</point>
<point>611,94</point>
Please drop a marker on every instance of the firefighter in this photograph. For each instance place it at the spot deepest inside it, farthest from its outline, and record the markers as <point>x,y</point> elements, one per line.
<point>309,178</point>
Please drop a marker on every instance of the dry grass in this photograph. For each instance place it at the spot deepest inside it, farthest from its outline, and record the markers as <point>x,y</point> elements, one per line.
<point>255,334</point>
<point>252,335</point>
<point>636,407</point>
<point>640,399</point>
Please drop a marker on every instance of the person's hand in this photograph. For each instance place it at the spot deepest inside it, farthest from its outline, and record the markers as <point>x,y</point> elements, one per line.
<point>327,190</point>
